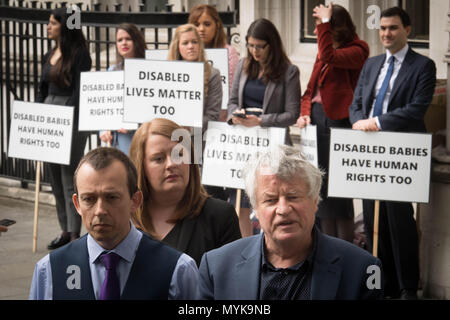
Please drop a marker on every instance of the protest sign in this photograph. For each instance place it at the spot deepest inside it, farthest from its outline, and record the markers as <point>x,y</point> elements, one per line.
<point>228,148</point>
<point>101,102</point>
<point>391,166</point>
<point>172,90</point>
<point>218,58</point>
<point>308,143</point>
<point>41,132</point>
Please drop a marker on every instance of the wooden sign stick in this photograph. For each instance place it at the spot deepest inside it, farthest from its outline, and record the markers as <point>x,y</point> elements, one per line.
<point>375,228</point>
<point>238,201</point>
<point>36,204</point>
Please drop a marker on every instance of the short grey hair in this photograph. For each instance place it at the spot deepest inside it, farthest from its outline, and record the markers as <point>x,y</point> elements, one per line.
<point>286,163</point>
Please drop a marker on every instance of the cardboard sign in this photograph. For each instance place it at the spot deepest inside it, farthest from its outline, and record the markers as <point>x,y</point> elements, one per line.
<point>41,132</point>
<point>101,102</point>
<point>229,148</point>
<point>391,166</point>
<point>164,89</point>
<point>218,59</point>
<point>308,143</point>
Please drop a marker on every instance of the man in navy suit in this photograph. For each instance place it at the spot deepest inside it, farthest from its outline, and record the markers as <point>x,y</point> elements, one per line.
<point>393,93</point>
<point>292,259</point>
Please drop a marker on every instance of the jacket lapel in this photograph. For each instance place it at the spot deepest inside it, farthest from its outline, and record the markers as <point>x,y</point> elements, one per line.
<point>186,233</point>
<point>242,81</point>
<point>378,64</point>
<point>402,74</point>
<point>268,94</point>
<point>247,280</point>
<point>326,271</point>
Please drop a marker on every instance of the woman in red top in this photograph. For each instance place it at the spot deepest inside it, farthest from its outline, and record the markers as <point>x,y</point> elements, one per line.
<point>326,102</point>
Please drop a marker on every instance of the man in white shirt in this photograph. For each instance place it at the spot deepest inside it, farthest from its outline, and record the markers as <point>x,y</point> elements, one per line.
<point>393,93</point>
<point>114,260</point>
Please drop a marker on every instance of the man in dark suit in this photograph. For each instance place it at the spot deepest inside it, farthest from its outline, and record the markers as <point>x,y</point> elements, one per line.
<point>393,93</point>
<point>291,260</point>
<point>114,260</point>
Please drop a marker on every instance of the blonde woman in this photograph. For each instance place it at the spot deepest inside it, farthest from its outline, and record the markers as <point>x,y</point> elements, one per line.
<point>187,46</point>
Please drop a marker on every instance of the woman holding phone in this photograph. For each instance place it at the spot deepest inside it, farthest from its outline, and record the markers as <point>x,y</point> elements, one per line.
<point>266,91</point>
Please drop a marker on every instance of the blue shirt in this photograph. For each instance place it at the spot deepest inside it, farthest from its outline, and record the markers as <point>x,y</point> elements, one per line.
<point>183,285</point>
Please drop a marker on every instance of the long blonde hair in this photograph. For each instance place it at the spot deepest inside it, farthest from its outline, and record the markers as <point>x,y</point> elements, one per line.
<point>174,50</point>
<point>194,196</point>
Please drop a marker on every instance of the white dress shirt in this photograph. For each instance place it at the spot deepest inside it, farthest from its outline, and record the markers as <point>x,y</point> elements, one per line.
<point>399,58</point>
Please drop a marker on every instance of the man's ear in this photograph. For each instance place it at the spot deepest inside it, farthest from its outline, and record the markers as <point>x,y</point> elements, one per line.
<point>136,200</point>
<point>76,203</point>
<point>408,30</point>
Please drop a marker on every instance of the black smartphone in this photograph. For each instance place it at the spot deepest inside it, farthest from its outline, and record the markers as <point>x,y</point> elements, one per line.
<point>239,115</point>
<point>6,222</point>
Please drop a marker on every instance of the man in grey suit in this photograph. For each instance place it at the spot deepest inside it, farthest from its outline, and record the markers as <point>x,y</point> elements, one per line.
<point>291,260</point>
<point>393,93</point>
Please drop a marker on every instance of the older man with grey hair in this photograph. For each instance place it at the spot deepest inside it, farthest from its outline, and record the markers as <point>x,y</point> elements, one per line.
<point>291,259</point>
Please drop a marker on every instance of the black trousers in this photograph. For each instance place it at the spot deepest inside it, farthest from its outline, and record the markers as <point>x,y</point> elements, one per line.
<point>62,176</point>
<point>329,208</point>
<point>398,247</point>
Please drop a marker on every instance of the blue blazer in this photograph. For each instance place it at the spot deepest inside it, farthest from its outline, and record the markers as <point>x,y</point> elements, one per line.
<point>410,97</point>
<point>232,272</point>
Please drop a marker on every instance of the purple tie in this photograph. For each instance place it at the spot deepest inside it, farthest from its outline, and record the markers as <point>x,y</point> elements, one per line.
<point>111,286</point>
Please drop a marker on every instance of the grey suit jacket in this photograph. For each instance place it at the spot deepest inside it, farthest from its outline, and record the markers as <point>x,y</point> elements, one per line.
<point>281,105</point>
<point>232,272</point>
<point>213,101</point>
<point>410,97</point>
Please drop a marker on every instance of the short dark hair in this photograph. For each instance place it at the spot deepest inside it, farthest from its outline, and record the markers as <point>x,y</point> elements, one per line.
<point>399,12</point>
<point>101,158</point>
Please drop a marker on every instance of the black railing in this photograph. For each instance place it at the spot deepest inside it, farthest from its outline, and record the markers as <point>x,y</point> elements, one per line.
<point>23,42</point>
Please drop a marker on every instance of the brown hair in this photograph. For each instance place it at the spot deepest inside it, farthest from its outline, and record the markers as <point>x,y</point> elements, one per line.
<point>138,41</point>
<point>194,196</point>
<point>220,38</point>
<point>277,60</point>
<point>174,50</point>
<point>102,157</point>
<point>344,31</point>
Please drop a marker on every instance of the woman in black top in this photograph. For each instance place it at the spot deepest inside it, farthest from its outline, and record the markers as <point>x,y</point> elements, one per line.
<point>60,85</point>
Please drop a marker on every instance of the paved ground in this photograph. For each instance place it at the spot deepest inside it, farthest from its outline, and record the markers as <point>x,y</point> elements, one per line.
<point>17,260</point>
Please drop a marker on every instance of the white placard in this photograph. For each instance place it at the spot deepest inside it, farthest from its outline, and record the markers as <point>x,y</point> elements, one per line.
<point>228,148</point>
<point>101,102</point>
<point>390,166</point>
<point>218,59</point>
<point>41,132</point>
<point>164,89</point>
<point>308,143</point>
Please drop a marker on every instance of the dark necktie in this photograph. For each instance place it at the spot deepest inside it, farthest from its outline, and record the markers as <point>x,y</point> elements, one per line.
<point>111,286</point>
<point>378,108</point>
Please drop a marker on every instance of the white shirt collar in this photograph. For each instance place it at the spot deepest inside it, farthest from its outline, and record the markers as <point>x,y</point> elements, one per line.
<point>126,249</point>
<point>399,55</point>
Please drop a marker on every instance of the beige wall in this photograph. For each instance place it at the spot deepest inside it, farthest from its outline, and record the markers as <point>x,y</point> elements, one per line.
<point>286,16</point>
